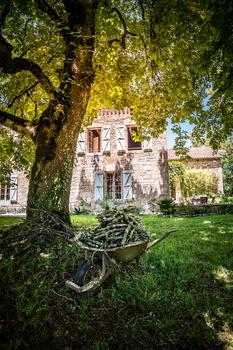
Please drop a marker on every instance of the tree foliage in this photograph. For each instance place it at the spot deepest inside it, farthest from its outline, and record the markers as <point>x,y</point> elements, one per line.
<point>16,153</point>
<point>177,178</point>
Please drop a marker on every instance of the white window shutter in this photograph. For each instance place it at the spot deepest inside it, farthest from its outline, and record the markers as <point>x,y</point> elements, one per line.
<point>14,188</point>
<point>106,142</point>
<point>127,186</point>
<point>120,137</point>
<point>147,144</point>
<point>99,186</point>
<point>81,142</point>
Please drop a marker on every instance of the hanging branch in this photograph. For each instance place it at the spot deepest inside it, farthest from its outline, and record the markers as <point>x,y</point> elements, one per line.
<point>125,32</point>
<point>17,124</point>
<point>26,91</point>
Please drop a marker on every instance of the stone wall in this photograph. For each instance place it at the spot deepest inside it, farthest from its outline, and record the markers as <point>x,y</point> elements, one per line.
<point>19,203</point>
<point>148,166</point>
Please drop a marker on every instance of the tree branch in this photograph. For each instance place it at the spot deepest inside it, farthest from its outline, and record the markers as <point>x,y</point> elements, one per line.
<point>26,91</point>
<point>126,31</point>
<point>18,64</point>
<point>4,13</point>
<point>17,124</point>
<point>15,65</point>
<point>142,8</point>
<point>46,8</point>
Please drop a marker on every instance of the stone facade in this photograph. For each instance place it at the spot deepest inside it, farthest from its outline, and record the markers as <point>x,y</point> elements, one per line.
<point>13,196</point>
<point>202,158</point>
<point>116,170</point>
<point>111,169</point>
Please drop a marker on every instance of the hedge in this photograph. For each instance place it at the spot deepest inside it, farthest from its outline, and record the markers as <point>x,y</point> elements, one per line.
<point>192,210</point>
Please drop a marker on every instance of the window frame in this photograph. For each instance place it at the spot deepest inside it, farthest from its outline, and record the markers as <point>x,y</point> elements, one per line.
<point>89,130</point>
<point>128,127</point>
<point>7,191</point>
<point>113,191</point>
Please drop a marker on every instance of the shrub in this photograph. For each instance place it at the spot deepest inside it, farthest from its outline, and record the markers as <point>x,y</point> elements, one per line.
<point>166,206</point>
<point>226,199</point>
<point>193,210</point>
<point>83,208</point>
<point>201,182</point>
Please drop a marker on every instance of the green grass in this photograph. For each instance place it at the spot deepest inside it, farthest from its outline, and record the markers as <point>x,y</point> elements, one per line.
<point>82,220</point>
<point>10,220</point>
<point>179,295</point>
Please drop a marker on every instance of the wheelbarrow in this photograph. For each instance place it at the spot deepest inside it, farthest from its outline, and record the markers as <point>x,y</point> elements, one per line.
<point>99,264</point>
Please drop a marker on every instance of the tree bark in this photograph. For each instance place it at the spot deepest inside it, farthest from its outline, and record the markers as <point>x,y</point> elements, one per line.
<point>58,129</point>
<point>51,174</point>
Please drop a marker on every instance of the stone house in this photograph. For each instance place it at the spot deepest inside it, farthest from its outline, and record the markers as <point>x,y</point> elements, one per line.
<point>110,164</point>
<point>13,193</point>
<point>203,158</point>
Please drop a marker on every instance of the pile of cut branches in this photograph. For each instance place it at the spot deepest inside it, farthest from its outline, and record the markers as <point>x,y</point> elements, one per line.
<point>117,227</point>
<point>44,227</point>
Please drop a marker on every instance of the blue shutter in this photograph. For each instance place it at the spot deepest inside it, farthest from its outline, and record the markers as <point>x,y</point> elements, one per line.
<point>99,186</point>
<point>127,186</point>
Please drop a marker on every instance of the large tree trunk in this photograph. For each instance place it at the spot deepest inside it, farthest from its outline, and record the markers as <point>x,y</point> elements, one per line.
<point>56,137</point>
<point>50,180</point>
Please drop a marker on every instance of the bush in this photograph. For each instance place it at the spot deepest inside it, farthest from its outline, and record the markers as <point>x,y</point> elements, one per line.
<point>166,206</point>
<point>226,199</point>
<point>83,208</point>
<point>193,210</point>
<point>201,182</point>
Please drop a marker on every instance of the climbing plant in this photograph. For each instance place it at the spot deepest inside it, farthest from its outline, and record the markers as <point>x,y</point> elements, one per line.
<point>177,178</point>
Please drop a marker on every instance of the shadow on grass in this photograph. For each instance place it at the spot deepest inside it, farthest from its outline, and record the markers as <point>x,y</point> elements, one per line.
<point>179,297</point>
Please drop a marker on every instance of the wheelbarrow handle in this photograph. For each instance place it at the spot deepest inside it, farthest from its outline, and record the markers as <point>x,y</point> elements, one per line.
<point>158,240</point>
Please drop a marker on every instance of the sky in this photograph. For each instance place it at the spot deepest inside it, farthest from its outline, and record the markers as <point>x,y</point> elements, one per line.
<point>171,136</point>
<point>185,126</point>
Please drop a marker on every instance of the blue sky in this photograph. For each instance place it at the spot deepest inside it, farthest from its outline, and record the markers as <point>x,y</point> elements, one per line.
<point>171,136</point>
<point>185,126</point>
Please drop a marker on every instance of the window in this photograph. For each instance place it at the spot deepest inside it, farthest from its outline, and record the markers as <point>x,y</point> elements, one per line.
<point>94,137</point>
<point>132,131</point>
<point>109,185</point>
<point>113,185</point>
<point>5,190</point>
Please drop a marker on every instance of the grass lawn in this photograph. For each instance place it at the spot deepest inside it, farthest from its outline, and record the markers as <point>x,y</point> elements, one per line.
<point>6,221</point>
<point>179,296</point>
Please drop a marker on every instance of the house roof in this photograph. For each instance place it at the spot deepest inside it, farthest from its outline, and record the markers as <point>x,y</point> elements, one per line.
<point>202,152</point>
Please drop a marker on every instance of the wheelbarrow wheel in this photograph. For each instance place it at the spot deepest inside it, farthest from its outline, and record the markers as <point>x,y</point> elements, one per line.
<point>87,271</point>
